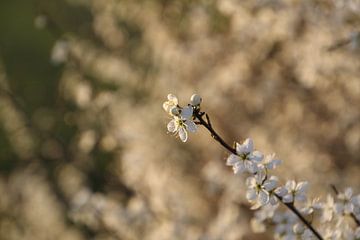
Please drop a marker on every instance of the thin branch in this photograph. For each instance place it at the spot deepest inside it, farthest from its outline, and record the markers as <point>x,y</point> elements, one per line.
<point>290,206</point>
<point>213,133</point>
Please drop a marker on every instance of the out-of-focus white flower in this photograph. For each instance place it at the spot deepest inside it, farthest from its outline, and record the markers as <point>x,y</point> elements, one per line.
<point>311,206</point>
<point>266,212</point>
<point>270,162</point>
<point>345,205</point>
<point>356,202</point>
<point>257,226</point>
<point>346,231</point>
<point>60,52</point>
<point>260,189</point>
<point>331,233</point>
<point>170,103</point>
<point>295,191</point>
<point>284,224</point>
<point>195,100</point>
<point>308,235</point>
<point>327,209</point>
<point>246,158</point>
<point>182,123</point>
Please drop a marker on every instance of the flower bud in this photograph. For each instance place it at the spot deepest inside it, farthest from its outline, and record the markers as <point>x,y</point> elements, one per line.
<point>174,111</point>
<point>195,100</point>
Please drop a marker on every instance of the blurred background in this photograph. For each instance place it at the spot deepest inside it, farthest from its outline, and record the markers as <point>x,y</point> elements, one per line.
<point>84,151</point>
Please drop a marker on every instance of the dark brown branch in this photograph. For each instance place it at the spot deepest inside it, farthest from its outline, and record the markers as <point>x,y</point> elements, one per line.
<point>213,133</point>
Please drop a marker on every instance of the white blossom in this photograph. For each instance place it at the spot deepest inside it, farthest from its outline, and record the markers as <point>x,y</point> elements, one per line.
<point>345,204</point>
<point>260,189</point>
<point>311,206</point>
<point>328,209</point>
<point>295,191</point>
<point>270,162</point>
<point>246,159</point>
<point>170,103</point>
<point>182,123</point>
<point>284,224</point>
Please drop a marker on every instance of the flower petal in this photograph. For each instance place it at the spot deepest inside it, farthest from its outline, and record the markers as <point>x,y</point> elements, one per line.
<point>288,198</point>
<point>256,156</point>
<point>250,182</point>
<point>191,126</point>
<point>172,98</point>
<point>260,176</point>
<point>348,193</point>
<point>270,184</point>
<point>232,159</point>
<point>300,197</point>
<point>172,126</point>
<point>248,145</point>
<point>251,194</point>
<point>263,197</point>
<point>183,134</point>
<point>166,106</point>
<point>273,200</point>
<point>281,191</point>
<point>250,166</point>
<point>186,112</point>
<point>239,167</point>
<point>301,187</point>
<point>290,185</point>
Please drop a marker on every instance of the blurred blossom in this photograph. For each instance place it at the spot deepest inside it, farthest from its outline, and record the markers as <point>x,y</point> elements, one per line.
<point>40,21</point>
<point>60,51</point>
<point>87,140</point>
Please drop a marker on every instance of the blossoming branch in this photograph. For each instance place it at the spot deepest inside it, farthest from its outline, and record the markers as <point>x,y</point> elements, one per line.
<point>336,218</point>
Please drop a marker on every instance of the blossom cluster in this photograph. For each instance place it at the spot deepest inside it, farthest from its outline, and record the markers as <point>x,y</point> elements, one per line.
<point>339,216</point>
<point>182,117</point>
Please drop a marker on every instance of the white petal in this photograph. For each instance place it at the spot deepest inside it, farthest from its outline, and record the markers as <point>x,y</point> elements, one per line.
<point>348,193</point>
<point>270,184</point>
<point>256,156</point>
<point>301,187</point>
<point>281,191</point>
<point>191,126</point>
<point>263,197</point>
<point>166,107</point>
<point>260,176</point>
<point>239,167</point>
<point>300,197</point>
<point>290,185</point>
<point>271,162</point>
<point>250,182</point>
<point>348,208</point>
<point>288,198</point>
<point>273,200</point>
<point>183,134</point>
<point>250,166</point>
<point>339,208</point>
<point>251,194</point>
<point>232,159</point>
<point>238,148</point>
<point>248,145</point>
<point>356,200</point>
<point>187,112</point>
<point>172,126</point>
<point>172,98</point>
